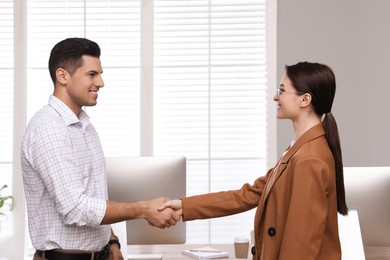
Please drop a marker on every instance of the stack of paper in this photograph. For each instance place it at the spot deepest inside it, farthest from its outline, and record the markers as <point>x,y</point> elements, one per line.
<point>205,252</point>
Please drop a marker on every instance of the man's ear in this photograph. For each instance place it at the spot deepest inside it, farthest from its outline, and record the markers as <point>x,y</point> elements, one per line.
<point>305,100</point>
<point>61,75</point>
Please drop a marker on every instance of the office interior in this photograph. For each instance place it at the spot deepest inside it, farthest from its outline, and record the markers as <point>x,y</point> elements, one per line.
<point>352,37</point>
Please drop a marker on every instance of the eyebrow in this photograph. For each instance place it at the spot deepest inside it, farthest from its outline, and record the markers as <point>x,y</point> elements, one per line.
<point>94,72</point>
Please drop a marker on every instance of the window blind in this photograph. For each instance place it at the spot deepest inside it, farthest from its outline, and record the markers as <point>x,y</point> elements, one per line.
<point>6,80</point>
<point>116,27</point>
<point>6,102</point>
<point>205,70</point>
<point>209,99</point>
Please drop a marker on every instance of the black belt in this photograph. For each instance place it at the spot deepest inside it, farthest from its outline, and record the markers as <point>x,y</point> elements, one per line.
<point>56,255</point>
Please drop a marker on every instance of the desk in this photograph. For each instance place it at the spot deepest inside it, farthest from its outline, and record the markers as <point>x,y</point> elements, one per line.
<point>174,251</point>
<point>349,231</point>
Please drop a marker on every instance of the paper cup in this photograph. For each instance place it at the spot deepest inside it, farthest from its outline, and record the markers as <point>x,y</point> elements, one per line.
<point>241,247</point>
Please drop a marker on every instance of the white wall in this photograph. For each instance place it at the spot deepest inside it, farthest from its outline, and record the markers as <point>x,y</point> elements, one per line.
<point>353,37</point>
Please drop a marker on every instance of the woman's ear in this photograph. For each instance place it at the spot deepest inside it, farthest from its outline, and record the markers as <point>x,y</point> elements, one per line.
<point>305,100</point>
<point>61,75</point>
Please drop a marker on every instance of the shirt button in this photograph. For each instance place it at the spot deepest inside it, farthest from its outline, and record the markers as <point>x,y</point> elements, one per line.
<point>271,232</point>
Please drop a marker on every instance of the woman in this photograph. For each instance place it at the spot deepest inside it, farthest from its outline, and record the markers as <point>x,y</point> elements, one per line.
<point>297,201</point>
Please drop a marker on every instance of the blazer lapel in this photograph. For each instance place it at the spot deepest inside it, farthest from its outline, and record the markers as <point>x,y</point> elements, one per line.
<point>313,133</point>
<point>276,172</point>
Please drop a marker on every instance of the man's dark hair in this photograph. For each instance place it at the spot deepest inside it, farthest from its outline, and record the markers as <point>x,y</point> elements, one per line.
<point>68,53</point>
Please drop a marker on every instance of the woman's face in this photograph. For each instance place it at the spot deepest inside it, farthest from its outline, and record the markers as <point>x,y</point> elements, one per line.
<point>288,100</point>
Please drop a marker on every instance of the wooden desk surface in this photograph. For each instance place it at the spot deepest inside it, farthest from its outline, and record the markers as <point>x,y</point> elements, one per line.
<point>174,251</point>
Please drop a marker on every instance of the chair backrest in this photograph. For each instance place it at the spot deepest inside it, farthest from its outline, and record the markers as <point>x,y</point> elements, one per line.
<point>368,191</point>
<point>351,237</point>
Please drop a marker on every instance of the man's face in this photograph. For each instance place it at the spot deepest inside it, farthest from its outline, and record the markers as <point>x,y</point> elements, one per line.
<point>82,87</point>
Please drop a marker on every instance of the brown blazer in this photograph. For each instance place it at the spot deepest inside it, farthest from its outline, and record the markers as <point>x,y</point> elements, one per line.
<point>296,217</point>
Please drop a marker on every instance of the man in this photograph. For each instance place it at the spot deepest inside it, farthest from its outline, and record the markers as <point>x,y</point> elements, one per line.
<point>63,166</point>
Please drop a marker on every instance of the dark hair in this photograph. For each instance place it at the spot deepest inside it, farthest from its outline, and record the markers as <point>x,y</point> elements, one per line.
<point>319,81</point>
<point>68,53</point>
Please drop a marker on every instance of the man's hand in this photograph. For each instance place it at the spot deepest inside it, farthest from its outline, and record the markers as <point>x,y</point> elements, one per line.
<point>162,218</point>
<point>173,204</point>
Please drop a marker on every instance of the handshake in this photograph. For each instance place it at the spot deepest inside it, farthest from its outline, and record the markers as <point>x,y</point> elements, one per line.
<point>163,212</point>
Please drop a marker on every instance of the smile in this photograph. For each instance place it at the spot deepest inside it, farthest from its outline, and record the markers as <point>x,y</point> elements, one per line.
<point>94,93</point>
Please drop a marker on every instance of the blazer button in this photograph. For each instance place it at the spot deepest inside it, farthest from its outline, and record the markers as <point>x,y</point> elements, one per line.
<point>271,232</point>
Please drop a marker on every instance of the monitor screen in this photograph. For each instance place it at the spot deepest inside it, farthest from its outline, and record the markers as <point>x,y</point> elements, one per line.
<point>146,178</point>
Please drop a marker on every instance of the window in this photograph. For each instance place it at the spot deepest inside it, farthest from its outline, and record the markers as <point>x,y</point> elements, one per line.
<point>209,90</point>
<point>6,102</point>
<point>181,77</point>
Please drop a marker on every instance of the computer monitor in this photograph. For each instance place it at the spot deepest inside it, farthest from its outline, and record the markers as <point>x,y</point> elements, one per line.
<point>146,178</point>
<point>368,191</point>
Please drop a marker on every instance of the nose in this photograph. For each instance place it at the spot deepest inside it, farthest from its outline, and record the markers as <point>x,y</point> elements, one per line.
<point>100,82</point>
<point>276,97</point>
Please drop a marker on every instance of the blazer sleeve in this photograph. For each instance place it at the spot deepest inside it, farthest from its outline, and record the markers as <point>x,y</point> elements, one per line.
<point>224,203</point>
